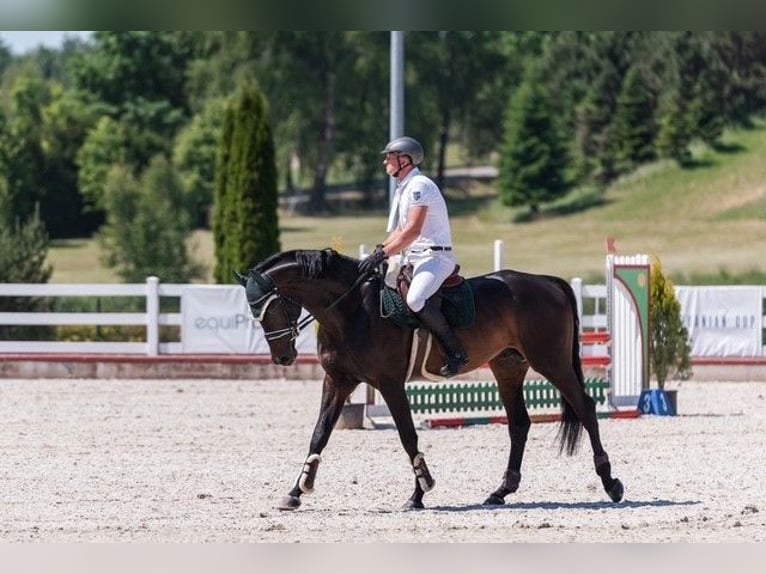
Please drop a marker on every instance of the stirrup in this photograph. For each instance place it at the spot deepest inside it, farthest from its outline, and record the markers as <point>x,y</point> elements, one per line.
<point>454,364</point>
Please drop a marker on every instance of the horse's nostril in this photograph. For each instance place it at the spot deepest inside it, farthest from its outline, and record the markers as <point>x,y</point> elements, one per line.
<point>284,360</point>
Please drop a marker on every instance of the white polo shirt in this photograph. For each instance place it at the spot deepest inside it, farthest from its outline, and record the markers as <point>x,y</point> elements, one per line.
<point>418,190</point>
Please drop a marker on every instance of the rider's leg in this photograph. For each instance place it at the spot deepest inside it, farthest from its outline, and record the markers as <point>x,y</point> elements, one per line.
<point>427,278</point>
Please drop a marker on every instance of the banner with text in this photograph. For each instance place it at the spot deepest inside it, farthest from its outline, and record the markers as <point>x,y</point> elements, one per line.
<point>723,321</point>
<point>216,319</point>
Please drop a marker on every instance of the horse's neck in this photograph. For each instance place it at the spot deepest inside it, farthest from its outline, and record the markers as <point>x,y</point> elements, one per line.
<point>318,296</point>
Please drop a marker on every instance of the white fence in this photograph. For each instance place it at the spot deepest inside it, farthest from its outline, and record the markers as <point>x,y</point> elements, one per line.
<point>233,317</point>
<point>723,321</point>
<point>151,319</point>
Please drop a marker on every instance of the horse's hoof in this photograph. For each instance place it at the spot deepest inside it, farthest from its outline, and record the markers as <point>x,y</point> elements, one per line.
<point>413,505</point>
<point>289,502</point>
<point>617,491</point>
<point>494,500</point>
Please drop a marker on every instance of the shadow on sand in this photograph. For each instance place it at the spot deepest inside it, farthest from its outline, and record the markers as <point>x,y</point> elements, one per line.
<point>567,505</point>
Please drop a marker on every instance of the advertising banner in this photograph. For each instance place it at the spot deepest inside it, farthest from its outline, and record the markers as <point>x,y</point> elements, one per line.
<point>722,321</point>
<point>217,320</point>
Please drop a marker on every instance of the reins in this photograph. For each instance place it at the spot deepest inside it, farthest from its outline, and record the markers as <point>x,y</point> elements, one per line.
<point>308,319</point>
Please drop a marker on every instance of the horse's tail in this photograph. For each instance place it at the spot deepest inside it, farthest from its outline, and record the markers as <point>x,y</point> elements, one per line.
<point>570,430</point>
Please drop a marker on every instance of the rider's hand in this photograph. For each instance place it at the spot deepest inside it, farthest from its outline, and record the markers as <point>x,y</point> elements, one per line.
<point>372,261</point>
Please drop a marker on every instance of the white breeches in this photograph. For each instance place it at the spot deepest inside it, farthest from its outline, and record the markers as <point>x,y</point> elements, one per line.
<point>427,276</point>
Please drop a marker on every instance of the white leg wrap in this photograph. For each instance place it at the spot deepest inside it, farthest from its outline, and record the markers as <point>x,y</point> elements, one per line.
<point>309,473</point>
<point>422,474</point>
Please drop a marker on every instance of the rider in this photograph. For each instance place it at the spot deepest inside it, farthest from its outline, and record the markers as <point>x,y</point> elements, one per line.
<point>420,229</point>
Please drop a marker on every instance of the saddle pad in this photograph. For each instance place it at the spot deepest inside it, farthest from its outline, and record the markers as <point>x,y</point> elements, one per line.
<point>394,308</point>
<point>457,305</point>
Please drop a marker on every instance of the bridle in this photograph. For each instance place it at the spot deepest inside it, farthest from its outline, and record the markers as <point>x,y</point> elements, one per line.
<point>270,294</point>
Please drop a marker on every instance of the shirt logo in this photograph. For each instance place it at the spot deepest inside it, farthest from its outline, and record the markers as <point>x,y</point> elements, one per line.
<point>416,195</point>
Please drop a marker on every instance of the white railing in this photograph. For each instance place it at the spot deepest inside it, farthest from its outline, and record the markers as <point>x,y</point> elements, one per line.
<point>151,319</point>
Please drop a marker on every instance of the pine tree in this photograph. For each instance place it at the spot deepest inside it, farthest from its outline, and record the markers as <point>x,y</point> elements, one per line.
<point>706,113</point>
<point>246,223</point>
<point>594,150</point>
<point>674,137</point>
<point>534,159</point>
<point>634,123</point>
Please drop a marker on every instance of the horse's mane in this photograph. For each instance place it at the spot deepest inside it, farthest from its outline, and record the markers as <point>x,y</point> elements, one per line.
<point>313,263</point>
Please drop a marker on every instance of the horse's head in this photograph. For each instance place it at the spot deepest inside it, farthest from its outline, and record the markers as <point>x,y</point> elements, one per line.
<point>277,314</point>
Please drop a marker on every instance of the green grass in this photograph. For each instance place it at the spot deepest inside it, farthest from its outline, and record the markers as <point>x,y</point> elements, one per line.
<point>707,223</point>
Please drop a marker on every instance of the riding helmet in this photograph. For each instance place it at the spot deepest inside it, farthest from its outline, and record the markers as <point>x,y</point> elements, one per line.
<point>407,146</point>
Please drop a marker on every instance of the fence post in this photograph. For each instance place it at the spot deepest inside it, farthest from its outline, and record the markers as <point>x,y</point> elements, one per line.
<point>152,316</point>
<point>498,261</point>
<point>576,284</point>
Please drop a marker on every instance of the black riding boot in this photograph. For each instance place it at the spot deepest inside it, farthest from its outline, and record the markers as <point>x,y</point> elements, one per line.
<point>433,319</point>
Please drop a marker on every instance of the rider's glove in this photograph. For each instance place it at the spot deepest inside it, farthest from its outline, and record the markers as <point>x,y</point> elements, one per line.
<point>372,261</point>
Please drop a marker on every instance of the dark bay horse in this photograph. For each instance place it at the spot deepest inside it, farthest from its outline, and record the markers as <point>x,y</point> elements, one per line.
<point>522,321</point>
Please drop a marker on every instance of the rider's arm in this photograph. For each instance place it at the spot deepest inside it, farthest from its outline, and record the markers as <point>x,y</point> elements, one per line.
<point>400,239</point>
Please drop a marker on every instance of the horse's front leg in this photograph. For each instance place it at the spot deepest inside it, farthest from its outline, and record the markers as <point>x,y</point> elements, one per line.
<point>397,402</point>
<point>333,399</point>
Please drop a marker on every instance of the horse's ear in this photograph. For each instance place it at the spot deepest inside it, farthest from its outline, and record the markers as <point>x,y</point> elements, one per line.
<point>240,278</point>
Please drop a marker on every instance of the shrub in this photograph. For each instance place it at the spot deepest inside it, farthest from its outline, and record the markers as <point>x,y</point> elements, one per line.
<point>23,259</point>
<point>669,345</point>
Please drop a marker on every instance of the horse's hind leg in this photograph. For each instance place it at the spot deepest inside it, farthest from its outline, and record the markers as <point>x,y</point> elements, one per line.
<point>333,399</point>
<point>612,486</point>
<point>509,370</point>
<point>579,411</point>
<point>396,399</point>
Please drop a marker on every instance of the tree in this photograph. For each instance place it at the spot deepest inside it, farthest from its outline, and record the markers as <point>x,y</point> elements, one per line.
<point>138,78</point>
<point>360,139</point>
<point>194,157</point>
<point>246,222</point>
<point>706,112</point>
<point>148,226</point>
<point>704,80</point>
<point>533,157</point>
<point>126,66</point>
<point>23,255</point>
<point>743,56</point>
<point>105,147</point>
<point>453,68</point>
<point>669,339</point>
<point>22,153</point>
<point>66,121</point>
<point>674,135</point>
<point>634,122</point>
<point>306,77</point>
<point>504,58</point>
<point>5,57</point>
<point>594,149</point>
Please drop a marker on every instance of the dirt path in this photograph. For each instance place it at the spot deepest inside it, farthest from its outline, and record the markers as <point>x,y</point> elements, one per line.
<point>195,461</point>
